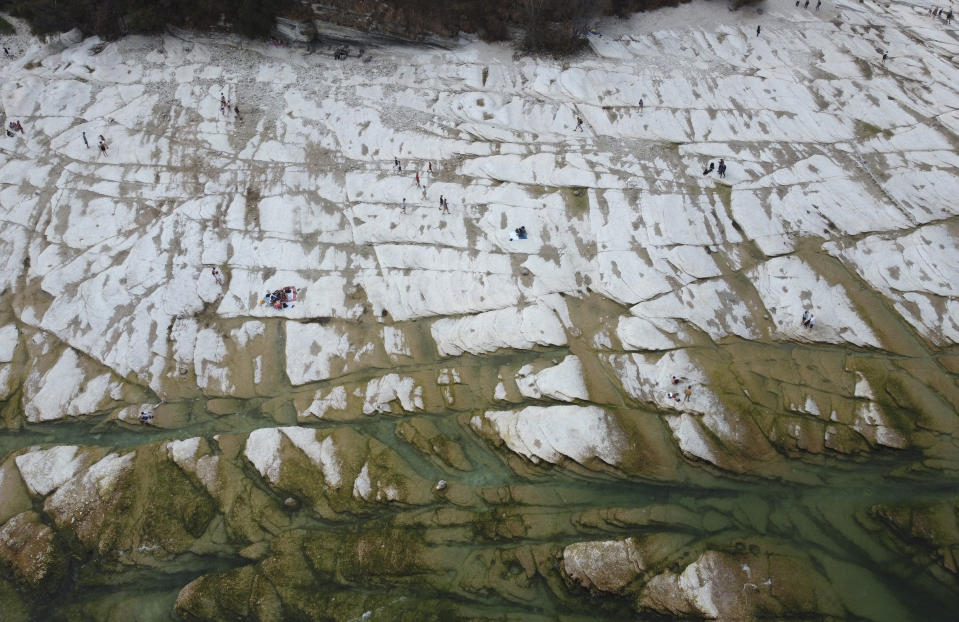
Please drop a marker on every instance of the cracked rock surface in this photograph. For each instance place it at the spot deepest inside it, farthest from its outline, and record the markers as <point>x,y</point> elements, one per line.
<point>618,415</point>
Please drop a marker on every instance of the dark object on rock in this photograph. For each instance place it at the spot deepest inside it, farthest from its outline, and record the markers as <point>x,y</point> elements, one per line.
<point>341,53</point>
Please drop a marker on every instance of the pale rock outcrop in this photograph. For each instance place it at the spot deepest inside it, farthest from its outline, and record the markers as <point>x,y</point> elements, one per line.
<point>324,401</point>
<point>563,382</point>
<point>724,586</point>
<point>637,333</point>
<point>69,388</point>
<point>90,487</point>
<point>504,328</point>
<point>556,433</point>
<point>9,338</point>
<point>382,391</point>
<point>44,470</point>
<point>612,565</point>
<point>317,352</point>
<point>788,286</point>
<point>333,468</point>
<point>607,566</point>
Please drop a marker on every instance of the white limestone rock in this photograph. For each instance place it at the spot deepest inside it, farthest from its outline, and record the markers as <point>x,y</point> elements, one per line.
<point>382,391</point>
<point>564,382</point>
<point>45,470</point>
<point>68,389</point>
<point>555,433</point>
<point>505,328</point>
<point>9,338</point>
<point>323,402</point>
<point>94,483</point>
<point>316,352</point>
<point>916,272</point>
<point>788,286</point>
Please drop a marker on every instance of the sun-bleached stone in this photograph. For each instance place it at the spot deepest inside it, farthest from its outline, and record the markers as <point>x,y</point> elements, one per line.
<point>564,382</point>
<point>44,470</point>
<point>504,328</point>
<point>555,433</point>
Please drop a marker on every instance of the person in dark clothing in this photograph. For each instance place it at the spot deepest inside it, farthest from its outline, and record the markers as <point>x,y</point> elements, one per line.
<point>757,30</point>
<point>722,167</point>
<point>710,168</point>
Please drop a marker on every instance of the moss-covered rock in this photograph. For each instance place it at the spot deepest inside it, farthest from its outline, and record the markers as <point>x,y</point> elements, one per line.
<point>337,471</point>
<point>138,504</point>
<point>33,553</point>
<point>427,438</point>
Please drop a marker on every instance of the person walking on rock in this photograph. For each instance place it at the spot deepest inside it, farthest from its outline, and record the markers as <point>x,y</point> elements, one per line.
<point>446,206</point>
<point>417,180</point>
<point>811,322</point>
<point>579,124</point>
<point>688,392</point>
<point>85,140</point>
<point>403,211</point>
<point>430,165</point>
<point>757,30</point>
<point>640,104</point>
<point>818,4</point>
<point>722,168</point>
<point>218,276</point>
<point>805,317</point>
<point>885,55</point>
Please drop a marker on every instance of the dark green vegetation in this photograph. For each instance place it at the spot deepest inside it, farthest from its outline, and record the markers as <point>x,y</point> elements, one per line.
<point>113,18</point>
<point>550,26</point>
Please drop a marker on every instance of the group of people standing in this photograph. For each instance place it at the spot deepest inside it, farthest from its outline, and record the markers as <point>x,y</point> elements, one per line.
<point>675,395</point>
<point>226,107</point>
<point>712,167</point>
<point>941,14</point>
<point>398,167</point>
<point>101,144</point>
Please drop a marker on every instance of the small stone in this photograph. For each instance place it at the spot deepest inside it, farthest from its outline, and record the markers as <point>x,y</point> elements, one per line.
<point>441,485</point>
<point>291,503</point>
